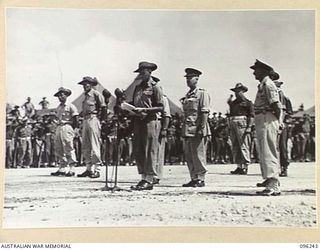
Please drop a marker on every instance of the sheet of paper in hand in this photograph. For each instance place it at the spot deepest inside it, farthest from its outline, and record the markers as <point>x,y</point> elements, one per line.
<point>131,109</point>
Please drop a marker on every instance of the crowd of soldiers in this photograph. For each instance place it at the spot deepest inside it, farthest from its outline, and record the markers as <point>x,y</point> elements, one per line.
<point>65,139</point>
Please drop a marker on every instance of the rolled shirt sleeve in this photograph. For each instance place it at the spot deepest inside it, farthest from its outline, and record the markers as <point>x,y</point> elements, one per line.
<point>166,107</point>
<point>158,96</point>
<point>100,99</point>
<point>204,101</point>
<point>271,92</point>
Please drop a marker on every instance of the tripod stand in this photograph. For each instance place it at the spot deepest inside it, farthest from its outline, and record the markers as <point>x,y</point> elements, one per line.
<point>116,165</point>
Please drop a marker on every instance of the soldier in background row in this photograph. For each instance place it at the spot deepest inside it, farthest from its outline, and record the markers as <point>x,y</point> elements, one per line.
<point>29,108</point>
<point>10,143</point>
<point>22,135</point>
<point>44,103</point>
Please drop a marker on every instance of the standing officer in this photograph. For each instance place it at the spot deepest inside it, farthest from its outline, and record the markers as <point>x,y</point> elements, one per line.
<point>283,138</point>
<point>241,119</point>
<point>67,119</point>
<point>195,128</point>
<point>93,106</point>
<point>267,109</point>
<point>165,117</point>
<point>148,100</point>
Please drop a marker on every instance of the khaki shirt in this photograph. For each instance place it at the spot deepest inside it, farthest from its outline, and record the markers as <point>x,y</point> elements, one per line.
<point>195,103</point>
<point>92,103</point>
<point>66,112</point>
<point>29,108</point>
<point>267,94</point>
<point>23,131</point>
<point>166,108</point>
<point>148,96</point>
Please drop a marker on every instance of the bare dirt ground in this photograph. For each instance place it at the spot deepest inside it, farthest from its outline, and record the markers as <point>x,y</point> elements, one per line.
<point>34,199</point>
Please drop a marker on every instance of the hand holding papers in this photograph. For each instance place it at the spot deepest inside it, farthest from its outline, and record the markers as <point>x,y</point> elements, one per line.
<point>132,110</point>
<point>128,107</point>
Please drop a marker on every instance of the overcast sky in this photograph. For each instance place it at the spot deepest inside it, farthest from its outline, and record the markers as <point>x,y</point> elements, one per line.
<point>47,45</point>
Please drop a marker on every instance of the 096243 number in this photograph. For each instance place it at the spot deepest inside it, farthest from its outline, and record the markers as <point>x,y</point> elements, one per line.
<point>308,245</point>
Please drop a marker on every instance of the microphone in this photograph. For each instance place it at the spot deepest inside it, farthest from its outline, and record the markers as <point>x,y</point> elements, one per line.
<point>119,93</point>
<point>106,93</point>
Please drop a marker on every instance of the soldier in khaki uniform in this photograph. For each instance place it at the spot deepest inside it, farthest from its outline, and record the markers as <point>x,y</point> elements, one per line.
<point>93,106</point>
<point>165,117</point>
<point>241,120</point>
<point>267,108</point>
<point>285,120</point>
<point>147,98</point>
<point>67,117</point>
<point>28,108</point>
<point>44,103</point>
<point>195,128</point>
<point>22,134</point>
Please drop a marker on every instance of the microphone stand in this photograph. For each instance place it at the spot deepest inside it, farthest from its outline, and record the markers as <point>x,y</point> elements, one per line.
<point>106,187</point>
<point>115,186</point>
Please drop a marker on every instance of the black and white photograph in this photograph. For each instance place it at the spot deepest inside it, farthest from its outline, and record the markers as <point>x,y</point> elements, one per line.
<point>153,118</point>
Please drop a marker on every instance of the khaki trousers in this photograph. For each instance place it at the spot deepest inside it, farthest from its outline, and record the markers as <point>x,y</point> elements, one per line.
<point>145,145</point>
<point>267,127</point>
<point>240,140</point>
<point>63,143</point>
<point>91,142</point>
<point>160,161</point>
<point>195,154</point>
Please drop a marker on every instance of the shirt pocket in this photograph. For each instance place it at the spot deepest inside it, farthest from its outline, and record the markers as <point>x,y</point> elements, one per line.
<point>242,124</point>
<point>190,104</point>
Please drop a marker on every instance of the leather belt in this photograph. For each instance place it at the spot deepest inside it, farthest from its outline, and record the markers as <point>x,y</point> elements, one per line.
<point>25,138</point>
<point>240,117</point>
<point>62,124</point>
<point>258,112</point>
<point>88,116</point>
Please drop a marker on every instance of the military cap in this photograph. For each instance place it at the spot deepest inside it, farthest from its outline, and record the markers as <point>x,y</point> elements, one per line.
<point>261,65</point>
<point>67,92</point>
<point>239,86</point>
<point>44,98</point>
<point>146,65</point>
<point>192,72</point>
<point>156,79</point>
<point>87,79</point>
<point>274,75</point>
